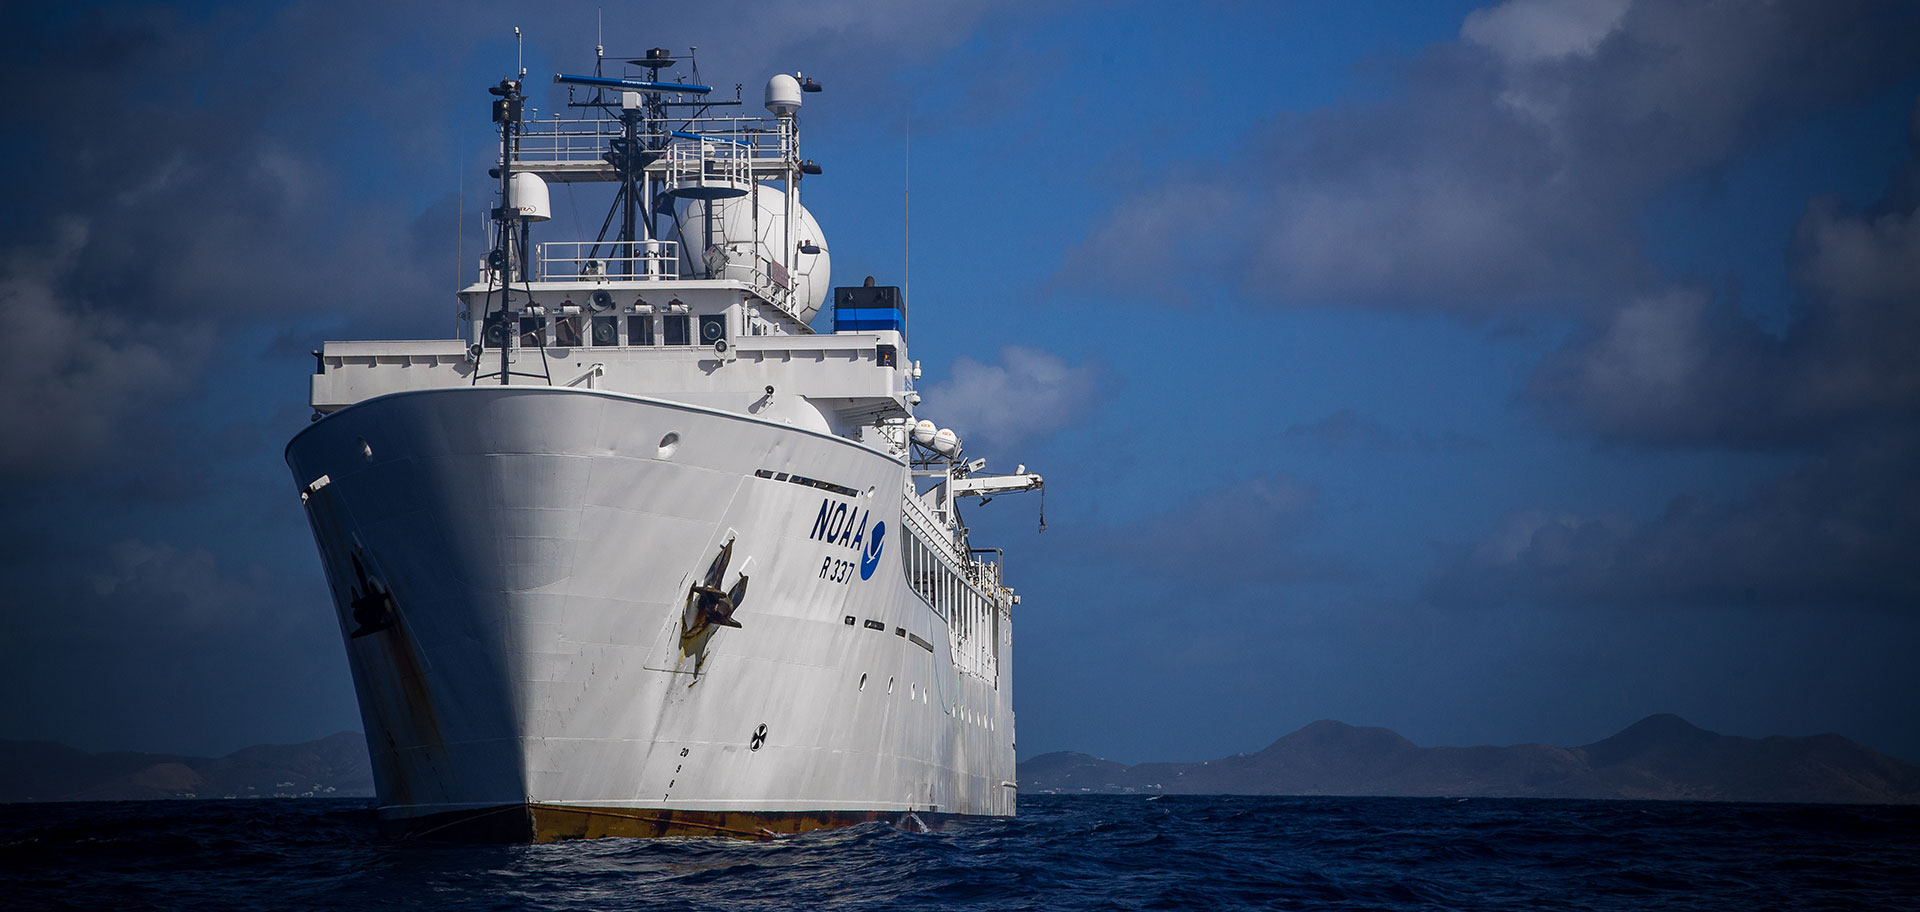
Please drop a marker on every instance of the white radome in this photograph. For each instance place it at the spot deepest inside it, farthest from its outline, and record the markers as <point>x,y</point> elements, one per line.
<point>783,95</point>
<point>530,198</point>
<point>737,254</point>
<point>946,443</point>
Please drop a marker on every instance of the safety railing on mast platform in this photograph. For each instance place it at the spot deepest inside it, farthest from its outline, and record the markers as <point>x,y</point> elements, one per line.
<point>559,261</point>
<point>561,141</point>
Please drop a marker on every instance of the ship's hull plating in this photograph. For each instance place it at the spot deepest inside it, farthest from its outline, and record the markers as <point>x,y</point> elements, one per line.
<point>511,567</point>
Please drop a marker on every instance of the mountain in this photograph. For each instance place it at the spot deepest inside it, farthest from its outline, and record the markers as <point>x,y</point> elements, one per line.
<point>334,766</point>
<point>1660,757</point>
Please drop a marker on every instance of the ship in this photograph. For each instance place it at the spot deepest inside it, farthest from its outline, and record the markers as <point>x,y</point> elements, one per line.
<point>641,552</point>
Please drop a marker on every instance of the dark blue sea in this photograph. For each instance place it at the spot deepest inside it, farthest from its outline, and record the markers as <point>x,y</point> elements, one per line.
<point>1061,853</point>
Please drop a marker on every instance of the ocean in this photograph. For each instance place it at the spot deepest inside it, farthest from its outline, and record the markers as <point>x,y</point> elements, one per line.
<point>1061,853</point>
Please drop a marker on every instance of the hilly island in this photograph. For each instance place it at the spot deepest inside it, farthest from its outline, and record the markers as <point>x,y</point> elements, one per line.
<point>1660,757</point>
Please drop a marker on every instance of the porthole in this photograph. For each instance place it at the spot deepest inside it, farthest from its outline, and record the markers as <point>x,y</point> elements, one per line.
<point>889,684</point>
<point>366,450</point>
<point>668,444</point>
<point>863,682</point>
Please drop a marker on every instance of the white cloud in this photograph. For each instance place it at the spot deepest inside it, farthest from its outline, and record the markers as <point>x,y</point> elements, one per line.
<point>1508,170</point>
<point>1532,31</point>
<point>1030,394</point>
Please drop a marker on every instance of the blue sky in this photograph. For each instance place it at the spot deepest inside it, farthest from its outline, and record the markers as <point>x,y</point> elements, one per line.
<point>1493,372</point>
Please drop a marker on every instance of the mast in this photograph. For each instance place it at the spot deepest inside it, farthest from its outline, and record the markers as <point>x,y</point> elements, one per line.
<point>507,109</point>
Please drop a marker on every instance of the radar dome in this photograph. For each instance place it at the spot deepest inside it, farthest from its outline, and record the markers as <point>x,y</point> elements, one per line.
<point>728,239</point>
<point>783,95</point>
<point>528,198</point>
<point>946,443</point>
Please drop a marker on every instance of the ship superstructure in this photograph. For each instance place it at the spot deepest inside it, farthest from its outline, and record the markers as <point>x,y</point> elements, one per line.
<point>643,553</point>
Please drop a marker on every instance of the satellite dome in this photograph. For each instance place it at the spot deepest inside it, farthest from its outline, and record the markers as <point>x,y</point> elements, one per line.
<point>783,95</point>
<point>736,253</point>
<point>528,197</point>
<point>946,443</point>
<point>923,432</point>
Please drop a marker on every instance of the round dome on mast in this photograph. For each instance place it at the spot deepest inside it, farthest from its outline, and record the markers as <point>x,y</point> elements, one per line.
<point>783,95</point>
<point>527,197</point>
<point>742,239</point>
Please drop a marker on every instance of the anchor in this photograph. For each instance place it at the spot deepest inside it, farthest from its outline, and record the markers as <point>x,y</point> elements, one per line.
<point>707,605</point>
<point>372,606</point>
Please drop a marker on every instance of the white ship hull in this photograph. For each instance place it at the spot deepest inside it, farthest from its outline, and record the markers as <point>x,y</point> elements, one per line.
<point>533,676</point>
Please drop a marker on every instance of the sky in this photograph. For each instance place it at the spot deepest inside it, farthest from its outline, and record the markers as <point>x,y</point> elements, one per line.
<point>1494,372</point>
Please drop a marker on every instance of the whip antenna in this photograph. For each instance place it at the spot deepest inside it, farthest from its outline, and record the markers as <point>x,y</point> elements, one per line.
<point>906,219</point>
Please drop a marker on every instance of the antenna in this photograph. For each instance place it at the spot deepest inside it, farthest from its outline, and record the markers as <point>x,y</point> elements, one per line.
<point>459,222</point>
<point>906,291</point>
<point>520,42</point>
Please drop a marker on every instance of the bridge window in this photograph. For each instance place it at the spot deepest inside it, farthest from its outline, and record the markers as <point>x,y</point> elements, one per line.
<point>533,332</point>
<point>678,329</point>
<point>566,331</point>
<point>640,330</point>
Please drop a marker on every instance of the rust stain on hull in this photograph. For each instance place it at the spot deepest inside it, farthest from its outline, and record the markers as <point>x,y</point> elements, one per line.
<point>387,661</point>
<point>556,822</point>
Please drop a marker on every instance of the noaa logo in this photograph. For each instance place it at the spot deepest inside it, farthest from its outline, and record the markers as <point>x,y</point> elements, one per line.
<point>870,558</point>
<point>847,525</point>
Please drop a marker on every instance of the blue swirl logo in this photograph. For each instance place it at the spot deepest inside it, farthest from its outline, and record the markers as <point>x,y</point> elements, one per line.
<point>870,558</point>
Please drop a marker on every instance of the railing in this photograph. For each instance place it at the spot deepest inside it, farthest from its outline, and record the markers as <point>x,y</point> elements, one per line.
<point>697,161</point>
<point>559,261</point>
<point>584,142</point>
<point>985,573</point>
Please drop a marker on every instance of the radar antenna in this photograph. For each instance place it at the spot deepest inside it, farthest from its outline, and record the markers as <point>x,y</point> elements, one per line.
<point>642,101</point>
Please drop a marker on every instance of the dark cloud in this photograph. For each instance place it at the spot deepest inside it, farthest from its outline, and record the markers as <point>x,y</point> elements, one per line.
<point>76,369</point>
<point>1257,530</point>
<point>1506,173</point>
<point>1680,367</point>
<point>1836,532</point>
<point>1508,169</point>
<point>182,197</point>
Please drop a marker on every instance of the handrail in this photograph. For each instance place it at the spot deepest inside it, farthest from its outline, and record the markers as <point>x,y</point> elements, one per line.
<point>559,260</point>
<point>597,369</point>
<point>584,141</point>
